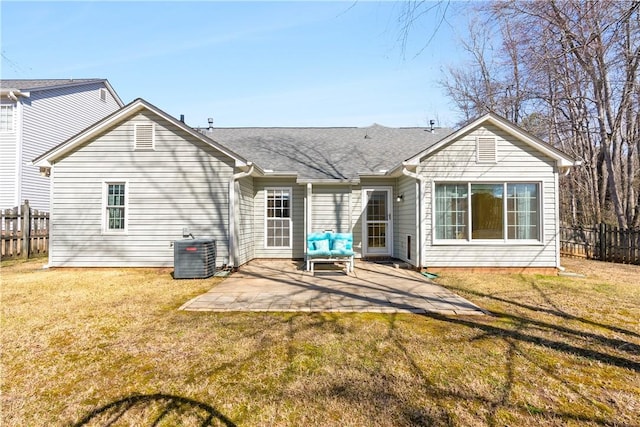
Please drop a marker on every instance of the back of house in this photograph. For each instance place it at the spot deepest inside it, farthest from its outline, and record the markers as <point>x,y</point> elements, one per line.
<point>484,195</point>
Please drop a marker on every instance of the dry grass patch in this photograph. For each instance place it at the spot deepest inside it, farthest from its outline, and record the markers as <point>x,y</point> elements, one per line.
<point>93,346</point>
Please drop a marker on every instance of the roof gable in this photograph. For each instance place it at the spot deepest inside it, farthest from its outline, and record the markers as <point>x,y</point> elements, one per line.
<point>136,106</point>
<point>562,159</point>
<point>36,85</point>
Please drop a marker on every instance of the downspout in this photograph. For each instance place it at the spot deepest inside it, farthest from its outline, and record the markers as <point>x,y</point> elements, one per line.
<point>232,213</point>
<point>308,212</point>
<point>564,170</point>
<point>52,218</point>
<point>420,185</point>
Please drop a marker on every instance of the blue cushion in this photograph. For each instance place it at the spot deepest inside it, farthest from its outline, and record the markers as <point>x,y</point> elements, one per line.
<point>313,250</point>
<point>342,244</point>
<point>339,245</point>
<point>321,245</point>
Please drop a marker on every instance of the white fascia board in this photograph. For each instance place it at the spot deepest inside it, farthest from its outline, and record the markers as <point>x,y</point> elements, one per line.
<point>48,158</point>
<point>327,181</point>
<point>561,159</point>
<point>113,93</point>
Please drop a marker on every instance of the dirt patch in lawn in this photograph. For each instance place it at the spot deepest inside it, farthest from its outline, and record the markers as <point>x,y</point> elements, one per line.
<point>93,346</point>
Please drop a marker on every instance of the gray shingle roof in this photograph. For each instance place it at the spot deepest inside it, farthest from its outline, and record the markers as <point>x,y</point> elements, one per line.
<point>43,83</point>
<point>327,153</point>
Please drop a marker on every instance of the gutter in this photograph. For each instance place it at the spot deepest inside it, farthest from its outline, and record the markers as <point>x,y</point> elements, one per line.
<point>232,211</point>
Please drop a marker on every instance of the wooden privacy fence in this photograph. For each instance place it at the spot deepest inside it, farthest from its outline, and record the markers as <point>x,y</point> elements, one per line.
<point>603,242</point>
<point>25,232</point>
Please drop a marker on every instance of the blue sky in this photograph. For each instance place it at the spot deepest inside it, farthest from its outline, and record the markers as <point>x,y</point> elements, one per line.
<point>242,63</point>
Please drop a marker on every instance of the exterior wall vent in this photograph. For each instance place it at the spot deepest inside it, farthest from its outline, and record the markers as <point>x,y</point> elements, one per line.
<point>103,95</point>
<point>486,150</point>
<point>144,136</point>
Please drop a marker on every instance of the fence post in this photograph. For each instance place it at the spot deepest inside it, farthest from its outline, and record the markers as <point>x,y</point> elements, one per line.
<point>26,230</point>
<point>602,242</point>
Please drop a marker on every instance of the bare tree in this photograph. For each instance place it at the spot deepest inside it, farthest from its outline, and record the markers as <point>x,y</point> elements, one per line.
<point>567,71</point>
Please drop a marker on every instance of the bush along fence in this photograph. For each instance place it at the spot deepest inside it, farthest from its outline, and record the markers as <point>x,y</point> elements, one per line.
<point>603,242</point>
<point>25,232</point>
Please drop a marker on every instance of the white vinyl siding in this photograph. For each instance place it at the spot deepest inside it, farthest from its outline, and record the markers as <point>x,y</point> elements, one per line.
<point>517,162</point>
<point>405,220</point>
<point>244,221</point>
<point>183,184</point>
<point>49,118</point>
<point>9,161</point>
<point>330,208</point>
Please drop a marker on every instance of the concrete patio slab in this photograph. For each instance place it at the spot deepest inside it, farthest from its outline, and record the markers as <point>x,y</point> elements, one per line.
<point>284,287</point>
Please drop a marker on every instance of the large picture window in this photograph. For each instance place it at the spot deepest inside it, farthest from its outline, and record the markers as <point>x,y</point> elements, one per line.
<point>278,218</point>
<point>487,211</point>
<point>115,207</point>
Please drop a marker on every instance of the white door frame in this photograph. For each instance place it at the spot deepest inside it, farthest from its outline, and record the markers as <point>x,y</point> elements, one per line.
<point>389,234</point>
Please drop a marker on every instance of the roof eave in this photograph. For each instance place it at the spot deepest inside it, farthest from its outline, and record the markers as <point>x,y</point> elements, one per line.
<point>113,93</point>
<point>328,181</point>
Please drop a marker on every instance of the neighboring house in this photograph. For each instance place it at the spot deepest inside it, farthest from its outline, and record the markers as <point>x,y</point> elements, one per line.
<point>485,195</point>
<point>36,115</point>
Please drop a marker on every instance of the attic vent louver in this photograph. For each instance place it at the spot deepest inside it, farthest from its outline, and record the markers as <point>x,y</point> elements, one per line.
<point>486,150</point>
<point>144,136</point>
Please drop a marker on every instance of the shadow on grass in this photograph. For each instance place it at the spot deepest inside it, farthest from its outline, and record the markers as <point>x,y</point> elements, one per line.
<point>503,399</point>
<point>155,409</point>
<point>618,345</point>
<point>517,335</point>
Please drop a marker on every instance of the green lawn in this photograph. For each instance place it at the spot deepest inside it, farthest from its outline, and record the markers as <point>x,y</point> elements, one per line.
<point>101,346</point>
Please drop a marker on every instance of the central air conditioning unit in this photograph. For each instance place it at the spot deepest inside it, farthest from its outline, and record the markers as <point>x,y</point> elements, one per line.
<point>194,258</point>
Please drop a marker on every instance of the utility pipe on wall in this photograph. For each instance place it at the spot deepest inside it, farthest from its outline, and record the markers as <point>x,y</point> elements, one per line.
<point>420,184</point>
<point>232,212</point>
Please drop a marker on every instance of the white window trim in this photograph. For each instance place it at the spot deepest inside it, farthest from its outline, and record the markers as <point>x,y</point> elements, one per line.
<point>488,242</point>
<point>153,136</point>
<point>266,218</point>
<point>12,109</point>
<point>105,215</point>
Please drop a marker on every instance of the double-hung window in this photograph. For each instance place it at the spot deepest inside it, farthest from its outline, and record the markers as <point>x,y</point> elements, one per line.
<point>115,219</point>
<point>278,218</point>
<point>6,118</point>
<point>487,211</point>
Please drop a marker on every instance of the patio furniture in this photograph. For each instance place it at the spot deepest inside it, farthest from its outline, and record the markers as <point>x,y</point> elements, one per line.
<point>329,247</point>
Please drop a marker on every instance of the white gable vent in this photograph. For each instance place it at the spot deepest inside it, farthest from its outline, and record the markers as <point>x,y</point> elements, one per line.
<point>144,136</point>
<point>103,94</point>
<point>486,150</point>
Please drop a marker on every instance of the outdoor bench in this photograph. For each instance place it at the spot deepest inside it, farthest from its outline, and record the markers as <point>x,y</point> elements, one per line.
<point>329,247</point>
